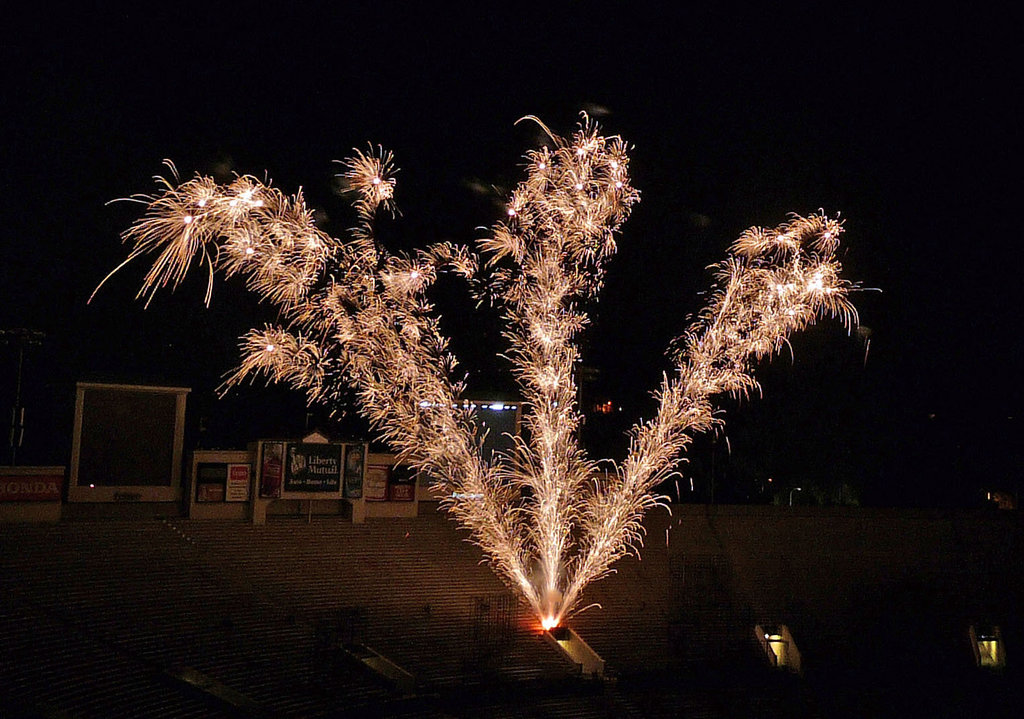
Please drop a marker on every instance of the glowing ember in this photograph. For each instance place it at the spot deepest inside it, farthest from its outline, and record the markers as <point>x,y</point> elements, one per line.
<point>357,315</point>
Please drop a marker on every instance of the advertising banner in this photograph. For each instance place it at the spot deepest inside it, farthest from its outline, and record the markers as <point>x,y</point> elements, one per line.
<point>210,492</point>
<point>313,469</point>
<point>402,486</point>
<point>210,480</point>
<point>354,465</point>
<point>272,470</point>
<point>30,487</point>
<point>237,489</point>
<point>375,486</point>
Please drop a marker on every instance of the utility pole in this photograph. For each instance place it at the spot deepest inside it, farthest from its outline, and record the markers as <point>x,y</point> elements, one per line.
<point>21,338</point>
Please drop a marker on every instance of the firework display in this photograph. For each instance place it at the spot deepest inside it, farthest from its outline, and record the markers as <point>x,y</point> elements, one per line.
<point>355,316</point>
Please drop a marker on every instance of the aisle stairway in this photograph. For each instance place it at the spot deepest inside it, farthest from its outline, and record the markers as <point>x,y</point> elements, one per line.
<point>246,606</point>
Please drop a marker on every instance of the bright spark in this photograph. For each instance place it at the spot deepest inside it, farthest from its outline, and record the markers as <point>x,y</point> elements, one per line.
<point>354,314</point>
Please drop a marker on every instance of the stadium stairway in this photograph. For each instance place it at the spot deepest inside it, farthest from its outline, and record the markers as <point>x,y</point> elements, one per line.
<point>246,607</point>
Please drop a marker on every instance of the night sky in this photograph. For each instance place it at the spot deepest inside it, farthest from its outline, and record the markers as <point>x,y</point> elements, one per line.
<point>904,123</point>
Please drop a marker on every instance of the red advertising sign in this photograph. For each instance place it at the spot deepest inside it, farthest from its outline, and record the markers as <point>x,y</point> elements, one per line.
<point>401,492</point>
<point>31,487</point>
<point>402,484</point>
<point>237,489</point>
<point>272,470</point>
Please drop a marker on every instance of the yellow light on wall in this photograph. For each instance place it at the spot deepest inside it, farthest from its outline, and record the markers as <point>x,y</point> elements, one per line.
<point>988,647</point>
<point>779,647</point>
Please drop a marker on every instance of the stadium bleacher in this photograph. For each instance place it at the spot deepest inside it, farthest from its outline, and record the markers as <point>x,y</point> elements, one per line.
<point>180,618</point>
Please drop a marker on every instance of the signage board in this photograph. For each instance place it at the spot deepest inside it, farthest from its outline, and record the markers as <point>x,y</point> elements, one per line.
<point>127,443</point>
<point>375,485</point>
<point>312,471</point>
<point>271,469</point>
<point>210,480</point>
<point>30,487</point>
<point>237,486</point>
<point>355,463</point>
<point>402,484</point>
<point>210,492</point>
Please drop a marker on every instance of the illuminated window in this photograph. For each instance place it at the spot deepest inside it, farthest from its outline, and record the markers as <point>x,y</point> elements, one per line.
<point>603,407</point>
<point>987,643</point>
<point>1001,500</point>
<point>778,646</point>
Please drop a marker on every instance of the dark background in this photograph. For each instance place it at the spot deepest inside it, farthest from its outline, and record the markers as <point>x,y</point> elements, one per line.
<point>902,122</point>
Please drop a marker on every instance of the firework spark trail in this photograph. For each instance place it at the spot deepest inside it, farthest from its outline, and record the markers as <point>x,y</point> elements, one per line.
<point>561,226</point>
<point>358,317</point>
<point>777,282</point>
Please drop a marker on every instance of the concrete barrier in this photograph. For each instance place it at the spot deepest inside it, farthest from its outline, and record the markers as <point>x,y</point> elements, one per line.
<point>576,651</point>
